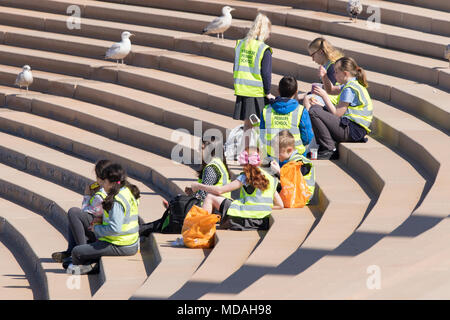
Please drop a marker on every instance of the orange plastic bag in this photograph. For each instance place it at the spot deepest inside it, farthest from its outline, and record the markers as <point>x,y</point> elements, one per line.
<point>199,228</point>
<point>294,190</point>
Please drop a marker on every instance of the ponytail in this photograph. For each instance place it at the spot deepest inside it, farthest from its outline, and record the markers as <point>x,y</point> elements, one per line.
<point>115,174</point>
<point>361,76</point>
<point>349,64</point>
<point>255,177</point>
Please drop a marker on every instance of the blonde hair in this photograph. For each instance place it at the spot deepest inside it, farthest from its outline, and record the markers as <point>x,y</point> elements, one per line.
<point>330,52</point>
<point>284,139</point>
<point>260,30</point>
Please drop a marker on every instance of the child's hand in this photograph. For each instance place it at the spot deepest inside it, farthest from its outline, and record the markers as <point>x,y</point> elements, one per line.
<point>301,96</point>
<point>270,96</point>
<point>275,166</point>
<point>319,91</point>
<point>87,191</point>
<point>322,72</point>
<point>195,186</point>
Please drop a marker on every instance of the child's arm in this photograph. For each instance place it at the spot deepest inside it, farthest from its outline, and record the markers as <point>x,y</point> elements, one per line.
<point>277,202</point>
<point>337,110</point>
<point>216,190</point>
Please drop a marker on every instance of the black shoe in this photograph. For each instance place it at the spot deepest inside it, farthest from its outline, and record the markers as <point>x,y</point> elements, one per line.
<point>328,155</point>
<point>60,256</point>
<point>66,262</point>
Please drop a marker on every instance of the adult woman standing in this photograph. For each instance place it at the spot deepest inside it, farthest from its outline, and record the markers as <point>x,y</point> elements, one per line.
<point>252,72</point>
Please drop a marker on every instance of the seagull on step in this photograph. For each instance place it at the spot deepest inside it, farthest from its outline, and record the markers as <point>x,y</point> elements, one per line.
<point>120,50</point>
<point>447,54</point>
<point>220,24</point>
<point>24,78</point>
<point>354,8</point>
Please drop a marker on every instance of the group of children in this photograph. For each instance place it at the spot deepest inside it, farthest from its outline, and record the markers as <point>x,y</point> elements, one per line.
<point>337,110</point>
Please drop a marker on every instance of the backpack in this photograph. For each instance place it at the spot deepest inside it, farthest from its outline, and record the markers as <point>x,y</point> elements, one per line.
<point>173,218</point>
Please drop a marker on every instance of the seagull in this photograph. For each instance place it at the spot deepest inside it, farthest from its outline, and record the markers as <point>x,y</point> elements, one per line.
<point>24,78</point>
<point>220,24</point>
<point>120,50</point>
<point>354,8</point>
<point>447,54</point>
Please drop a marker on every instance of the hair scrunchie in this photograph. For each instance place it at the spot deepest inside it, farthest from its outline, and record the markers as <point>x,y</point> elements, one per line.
<point>253,159</point>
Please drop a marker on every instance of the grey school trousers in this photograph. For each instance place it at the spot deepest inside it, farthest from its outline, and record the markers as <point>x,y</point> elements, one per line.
<point>85,248</point>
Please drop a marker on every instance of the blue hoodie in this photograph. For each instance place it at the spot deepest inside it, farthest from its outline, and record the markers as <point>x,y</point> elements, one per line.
<point>285,105</point>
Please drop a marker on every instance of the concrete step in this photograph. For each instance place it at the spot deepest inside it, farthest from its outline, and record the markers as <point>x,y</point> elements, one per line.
<point>13,280</point>
<point>340,215</point>
<point>384,35</point>
<point>441,5</point>
<point>423,69</point>
<point>169,177</point>
<point>35,237</point>
<point>68,171</point>
<point>433,101</point>
<point>406,16</point>
<point>231,246</point>
<point>175,265</point>
<point>380,84</point>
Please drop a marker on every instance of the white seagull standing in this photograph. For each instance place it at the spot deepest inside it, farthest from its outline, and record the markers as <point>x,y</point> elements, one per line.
<point>24,78</point>
<point>120,50</point>
<point>354,8</point>
<point>220,24</point>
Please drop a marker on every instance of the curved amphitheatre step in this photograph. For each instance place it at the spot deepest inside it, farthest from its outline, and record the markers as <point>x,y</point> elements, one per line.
<point>111,275</point>
<point>372,57</point>
<point>304,227</point>
<point>385,35</point>
<point>72,173</point>
<point>395,247</point>
<point>14,284</point>
<point>34,237</point>
<point>426,20</point>
<point>400,91</point>
<point>431,4</point>
<point>294,245</point>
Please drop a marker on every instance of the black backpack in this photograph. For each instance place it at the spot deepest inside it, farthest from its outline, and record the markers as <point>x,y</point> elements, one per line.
<point>173,218</point>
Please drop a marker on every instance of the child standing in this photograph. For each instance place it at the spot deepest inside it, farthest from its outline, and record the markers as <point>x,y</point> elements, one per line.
<point>258,196</point>
<point>252,73</point>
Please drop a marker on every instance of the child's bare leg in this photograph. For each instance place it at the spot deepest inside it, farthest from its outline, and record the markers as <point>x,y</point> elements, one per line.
<point>212,202</point>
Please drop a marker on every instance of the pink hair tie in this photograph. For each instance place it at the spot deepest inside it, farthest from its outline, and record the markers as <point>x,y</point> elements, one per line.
<point>243,158</point>
<point>253,159</point>
<point>118,182</point>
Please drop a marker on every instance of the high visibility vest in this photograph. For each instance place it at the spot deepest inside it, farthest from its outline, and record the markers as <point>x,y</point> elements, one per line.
<point>130,227</point>
<point>362,113</point>
<point>247,68</point>
<point>276,122</point>
<point>310,177</point>
<point>257,205</point>
<point>333,98</point>
<point>224,175</point>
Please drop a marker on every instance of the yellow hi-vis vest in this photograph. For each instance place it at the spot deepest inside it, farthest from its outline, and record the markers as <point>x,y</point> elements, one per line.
<point>247,68</point>
<point>310,177</point>
<point>224,175</point>
<point>257,205</point>
<point>333,98</point>
<point>276,122</point>
<point>362,114</point>
<point>130,227</point>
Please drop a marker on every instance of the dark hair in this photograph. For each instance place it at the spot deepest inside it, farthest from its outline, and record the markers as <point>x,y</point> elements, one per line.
<point>213,146</point>
<point>100,166</point>
<point>349,64</point>
<point>116,174</point>
<point>287,86</point>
